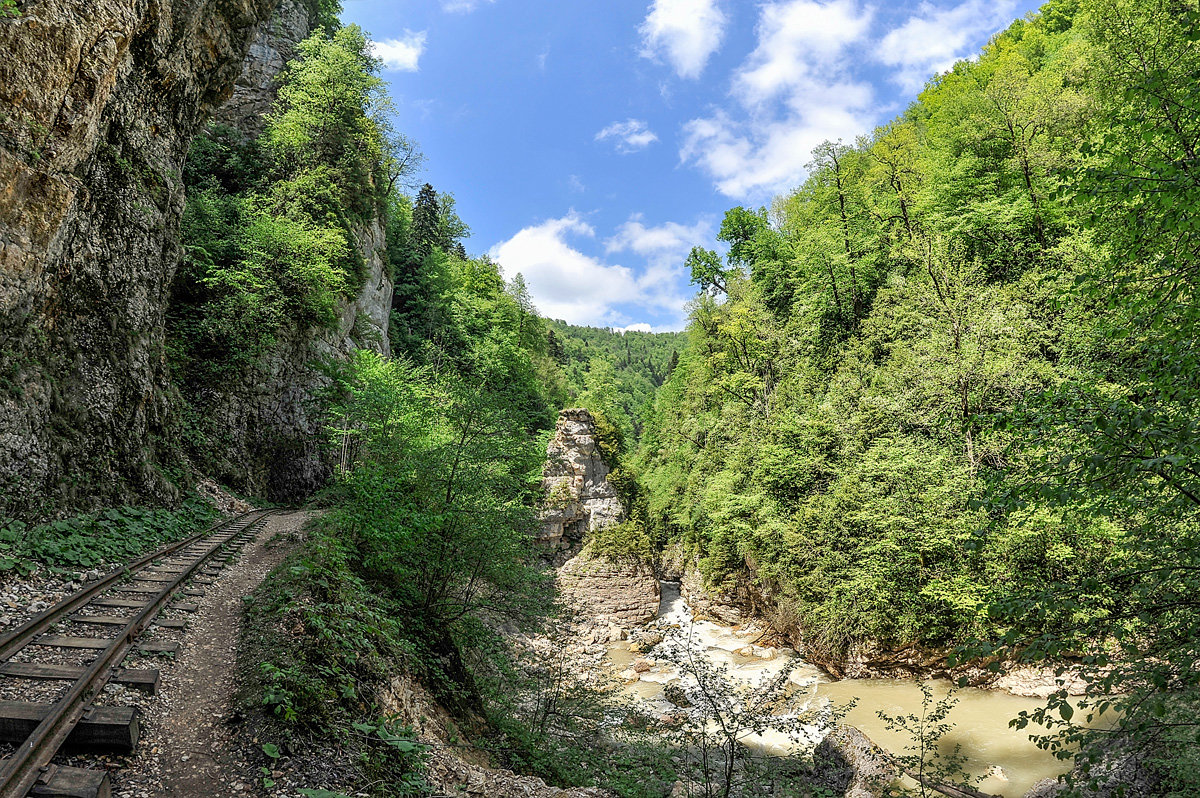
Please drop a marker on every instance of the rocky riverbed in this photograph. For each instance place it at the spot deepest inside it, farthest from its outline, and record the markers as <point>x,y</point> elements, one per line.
<point>1004,761</point>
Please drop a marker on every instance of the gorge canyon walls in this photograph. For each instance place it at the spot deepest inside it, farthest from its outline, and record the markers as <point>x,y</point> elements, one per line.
<point>99,103</point>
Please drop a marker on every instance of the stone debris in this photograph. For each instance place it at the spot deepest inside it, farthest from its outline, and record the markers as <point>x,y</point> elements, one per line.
<point>223,500</point>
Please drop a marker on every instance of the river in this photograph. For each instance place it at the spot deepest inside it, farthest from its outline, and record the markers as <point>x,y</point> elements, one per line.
<point>1005,761</point>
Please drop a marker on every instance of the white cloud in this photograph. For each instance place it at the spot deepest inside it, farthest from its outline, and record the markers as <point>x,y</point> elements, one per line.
<point>669,238</point>
<point>463,6</point>
<point>631,135</point>
<point>799,46</point>
<point>794,91</point>
<point>564,282</point>
<point>641,326</point>
<point>934,38</point>
<point>664,249</point>
<point>576,184</point>
<point>568,284</point>
<point>684,32</point>
<point>401,54</point>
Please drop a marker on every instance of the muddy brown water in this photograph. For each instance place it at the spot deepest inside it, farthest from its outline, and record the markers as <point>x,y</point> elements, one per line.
<point>1002,760</point>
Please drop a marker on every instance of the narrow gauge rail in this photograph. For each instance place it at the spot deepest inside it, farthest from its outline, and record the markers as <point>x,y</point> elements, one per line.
<point>128,600</point>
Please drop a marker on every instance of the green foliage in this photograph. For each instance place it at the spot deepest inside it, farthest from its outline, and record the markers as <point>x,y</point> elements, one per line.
<point>439,466</point>
<point>331,113</point>
<point>627,540</point>
<point>828,426</point>
<point>1114,448</point>
<point>625,368</point>
<point>270,232</point>
<point>423,240</point>
<point>8,8</point>
<point>323,641</point>
<point>950,390</point>
<point>269,229</point>
<point>115,535</point>
<point>924,759</point>
<point>435,490</point>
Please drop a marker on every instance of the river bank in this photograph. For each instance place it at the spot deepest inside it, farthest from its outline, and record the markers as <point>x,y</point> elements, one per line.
<point>1003,761</point>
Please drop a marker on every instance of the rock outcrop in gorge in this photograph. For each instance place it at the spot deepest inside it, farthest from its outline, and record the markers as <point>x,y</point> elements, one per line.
<point>579,497</point>
<point>100,102</point>
<point>613,596</point>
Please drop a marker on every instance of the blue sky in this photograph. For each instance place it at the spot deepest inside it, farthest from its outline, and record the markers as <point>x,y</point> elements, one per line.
<point>591,144</point>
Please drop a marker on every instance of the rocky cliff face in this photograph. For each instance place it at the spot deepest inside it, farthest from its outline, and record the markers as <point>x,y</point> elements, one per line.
<point>579,497</point>
<point>271,428</point>
<point>99,102</point>
<point>273,46</point>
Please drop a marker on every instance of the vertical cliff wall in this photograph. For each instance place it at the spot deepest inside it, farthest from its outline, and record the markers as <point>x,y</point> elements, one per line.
<point>273,46</point>
<point>579,497</point>
<point>266,427</point>
<point>99,102</point>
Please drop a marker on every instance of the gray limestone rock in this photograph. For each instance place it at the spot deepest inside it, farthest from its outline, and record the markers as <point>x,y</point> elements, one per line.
<point>578,496</point>
<point>99,102</point>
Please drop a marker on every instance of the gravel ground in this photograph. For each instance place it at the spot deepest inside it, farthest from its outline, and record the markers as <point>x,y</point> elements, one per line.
<point>22,597</point>
<point>188,730</point>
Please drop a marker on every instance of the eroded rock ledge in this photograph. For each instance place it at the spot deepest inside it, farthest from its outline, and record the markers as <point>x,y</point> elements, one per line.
<point>579,500</point>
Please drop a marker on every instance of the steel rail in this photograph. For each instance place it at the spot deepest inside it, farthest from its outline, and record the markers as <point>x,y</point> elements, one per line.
<point>13,641</point>
<point>21,770</point>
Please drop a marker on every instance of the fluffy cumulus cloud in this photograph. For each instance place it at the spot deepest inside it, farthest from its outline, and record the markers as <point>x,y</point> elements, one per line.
<point>401,54</point>
<point>662,249</point>
<point>630,136</point>
<point>813,75</point>
<point>933,38</point>
<point>791,93</point>
<point>684,33</point>
<point>567,283</point>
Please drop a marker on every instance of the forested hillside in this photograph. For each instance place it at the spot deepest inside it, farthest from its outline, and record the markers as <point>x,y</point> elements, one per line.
<point>632,364</point>
<point>945,389</point>
<point>936,411</point>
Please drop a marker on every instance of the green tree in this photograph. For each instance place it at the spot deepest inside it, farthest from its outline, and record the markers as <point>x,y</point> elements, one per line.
<point>331,114</point>
<point>1116,447</point>
<point>706,270</point>
<point>434,492</point>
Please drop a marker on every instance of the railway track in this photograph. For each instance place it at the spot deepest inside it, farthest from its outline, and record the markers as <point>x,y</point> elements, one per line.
<point>127,603</point>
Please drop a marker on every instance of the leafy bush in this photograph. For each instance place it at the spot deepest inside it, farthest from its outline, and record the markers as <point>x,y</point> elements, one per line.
<point>269,230</point>
<point>627,540</point>
<point>322,641</point>
<point>115,535</point>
